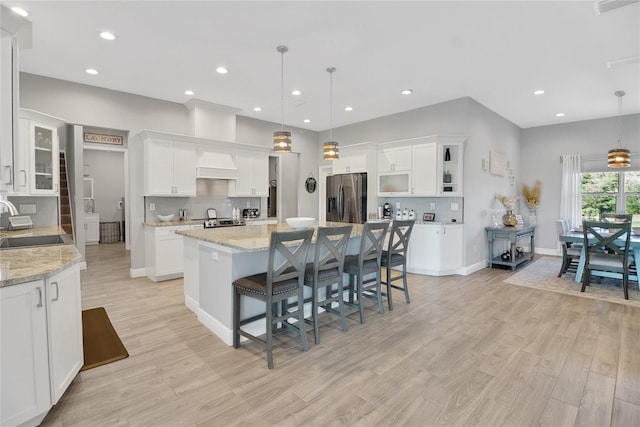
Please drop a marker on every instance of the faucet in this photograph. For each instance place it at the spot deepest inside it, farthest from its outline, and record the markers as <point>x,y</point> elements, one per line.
<point>13,211</point>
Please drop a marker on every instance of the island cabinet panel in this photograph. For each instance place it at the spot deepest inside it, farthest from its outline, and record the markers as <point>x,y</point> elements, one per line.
<point>165,252</point>
<point>253,175</point>
<point>435,249</point>
<point>170,168</point>
<point>24,362</point>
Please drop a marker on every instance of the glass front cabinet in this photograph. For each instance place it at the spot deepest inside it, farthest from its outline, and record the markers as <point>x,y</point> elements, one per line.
<point>39,157</point>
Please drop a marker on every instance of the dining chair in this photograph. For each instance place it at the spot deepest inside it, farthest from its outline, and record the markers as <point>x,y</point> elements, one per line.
<point>614,261</point>
<point>283,279</point>
<point>366,263</point>
<point>570,255</point>
<point>613,217</point>
<point>325,271</point>
<point>396,256</point>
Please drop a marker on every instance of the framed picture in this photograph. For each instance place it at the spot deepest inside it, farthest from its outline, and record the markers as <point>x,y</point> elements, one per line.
<point>497,163</point>
<point>428,216</point>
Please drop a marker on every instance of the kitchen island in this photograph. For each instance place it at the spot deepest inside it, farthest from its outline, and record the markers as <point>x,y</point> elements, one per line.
<point>215,257</point>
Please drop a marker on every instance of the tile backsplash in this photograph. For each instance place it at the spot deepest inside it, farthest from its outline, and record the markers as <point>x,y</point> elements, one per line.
<point>445,207</point>
<point>211,193</point>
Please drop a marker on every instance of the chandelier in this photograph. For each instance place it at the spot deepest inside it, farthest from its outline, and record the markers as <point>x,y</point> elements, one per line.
<point>619,157</point>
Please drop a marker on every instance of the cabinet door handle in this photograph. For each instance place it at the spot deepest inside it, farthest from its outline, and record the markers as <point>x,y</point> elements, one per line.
<point>57,291</point>
<point>444,230</point>
<point>10,174</point>
<point>39,297</point>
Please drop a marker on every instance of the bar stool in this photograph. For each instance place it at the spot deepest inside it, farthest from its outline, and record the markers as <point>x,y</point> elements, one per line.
<point>283,279</point>
<point>325,271</point>
<point>395,256</point>
<point>365,263</point>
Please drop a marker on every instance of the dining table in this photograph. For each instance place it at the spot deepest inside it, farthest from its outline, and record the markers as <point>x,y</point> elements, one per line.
<point>577,236</point>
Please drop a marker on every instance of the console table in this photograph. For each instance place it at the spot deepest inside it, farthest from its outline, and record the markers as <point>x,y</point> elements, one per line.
<point>510,235</point>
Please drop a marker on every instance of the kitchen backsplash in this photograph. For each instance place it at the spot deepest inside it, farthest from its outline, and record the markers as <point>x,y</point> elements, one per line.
<point>211,193</point>
<point>445,207</point>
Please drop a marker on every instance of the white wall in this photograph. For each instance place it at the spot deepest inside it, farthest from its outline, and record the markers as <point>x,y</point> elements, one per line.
<point>542,147</point>
<point>107,171</point>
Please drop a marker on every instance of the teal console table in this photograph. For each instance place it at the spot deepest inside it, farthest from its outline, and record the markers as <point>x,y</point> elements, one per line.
<point>510,235</point>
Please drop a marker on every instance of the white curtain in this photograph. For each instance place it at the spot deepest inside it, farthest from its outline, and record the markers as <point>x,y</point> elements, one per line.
<point>570,200</point>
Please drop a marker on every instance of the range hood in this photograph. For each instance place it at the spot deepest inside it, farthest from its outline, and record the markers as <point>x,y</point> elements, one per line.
<point>213,164</point>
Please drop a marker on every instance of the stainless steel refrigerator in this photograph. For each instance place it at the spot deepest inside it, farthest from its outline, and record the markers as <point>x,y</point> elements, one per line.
<point>347,198</point>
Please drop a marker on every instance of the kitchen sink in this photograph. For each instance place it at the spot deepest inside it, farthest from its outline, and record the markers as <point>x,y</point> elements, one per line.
<point>32,241</point>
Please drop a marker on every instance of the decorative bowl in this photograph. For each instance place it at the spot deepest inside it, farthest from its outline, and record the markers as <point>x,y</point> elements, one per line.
<point>300,223</point>
<point>166,218</point>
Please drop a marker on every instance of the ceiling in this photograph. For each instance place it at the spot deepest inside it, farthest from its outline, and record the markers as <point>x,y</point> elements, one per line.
<point>498,53</point>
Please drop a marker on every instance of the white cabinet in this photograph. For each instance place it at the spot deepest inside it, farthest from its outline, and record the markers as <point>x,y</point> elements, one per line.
<point>92,228</point>
<point>165,252</point>
<point>41,345</point>
<point>64,311</point>
<point>394,159</point>
<point>24,361</point>
<point>253,175</point>
<point>424,176</point>
<point>170,168</point>
<point>351,162</point>
<point>8,103</point>
<point>435,249</point>
<point>37,156</point>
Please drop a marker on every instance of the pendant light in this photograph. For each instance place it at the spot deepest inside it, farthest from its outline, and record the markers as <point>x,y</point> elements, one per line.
<point>330,148</point>
<point>619,157</point>
<point>282,138</point>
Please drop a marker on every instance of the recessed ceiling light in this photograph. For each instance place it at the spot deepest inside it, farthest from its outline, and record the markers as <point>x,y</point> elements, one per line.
<point>189,92</point>
<point>348,108</point>
<point>560,115</point>
<point>20,11</point>
<point>307,121</point>
<point>538,92</point>
<point>407,92</point>
<point>222,70</point>
<point>257,108</point>
<point>107,35</point>
<point>296,92</point>
<point>91,71</point>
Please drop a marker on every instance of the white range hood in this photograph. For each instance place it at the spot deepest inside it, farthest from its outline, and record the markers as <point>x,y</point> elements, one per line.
<point>214,164</point>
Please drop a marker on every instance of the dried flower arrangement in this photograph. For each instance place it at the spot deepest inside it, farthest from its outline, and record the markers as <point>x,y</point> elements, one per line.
<point>508,202</point>
<point>532,196</point>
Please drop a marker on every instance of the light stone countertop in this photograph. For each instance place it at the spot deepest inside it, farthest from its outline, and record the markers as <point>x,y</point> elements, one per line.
<point>251,238</point>
<point>27,264</point>
<point>200,221</point>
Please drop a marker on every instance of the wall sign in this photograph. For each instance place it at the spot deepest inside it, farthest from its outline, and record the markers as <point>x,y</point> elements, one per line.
<point>103,139</point>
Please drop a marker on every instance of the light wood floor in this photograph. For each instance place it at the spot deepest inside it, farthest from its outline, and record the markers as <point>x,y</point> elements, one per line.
<point>466,351</point>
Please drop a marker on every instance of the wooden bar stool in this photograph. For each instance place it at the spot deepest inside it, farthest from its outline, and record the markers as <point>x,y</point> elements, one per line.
<point>283,279</point>
<point>395,256</point>
<point>326,271</point>
<point>367,262</point>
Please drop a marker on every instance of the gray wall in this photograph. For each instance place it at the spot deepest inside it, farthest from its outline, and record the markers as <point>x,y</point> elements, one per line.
<point>107,171</point>
<point>542,147</point>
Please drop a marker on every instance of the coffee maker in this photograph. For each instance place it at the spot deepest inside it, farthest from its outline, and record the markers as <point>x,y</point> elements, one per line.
<point>386,211</point>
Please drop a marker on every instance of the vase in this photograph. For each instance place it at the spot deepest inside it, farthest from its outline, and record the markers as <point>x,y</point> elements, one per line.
<point>509,219</point>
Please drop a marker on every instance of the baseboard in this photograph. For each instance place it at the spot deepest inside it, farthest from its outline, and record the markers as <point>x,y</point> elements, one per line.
<point>83,265</point>
<point>470,269</point>
<point>547,251</point>
<point>221,331</point>
<point>134,273</point>
<point>191,304</point>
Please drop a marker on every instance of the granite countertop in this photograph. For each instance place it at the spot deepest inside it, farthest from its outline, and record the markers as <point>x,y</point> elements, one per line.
<point>250,238</point>
<point>27,264</point>
<point>177,222</point>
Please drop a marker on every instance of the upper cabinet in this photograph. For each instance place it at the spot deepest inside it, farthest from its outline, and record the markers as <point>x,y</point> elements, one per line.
<point>394,159</point>
<point>351,162</point>
<point>37,156</point>
<point>170,168</point>
<point>428,167</point>
<point>253,175</point>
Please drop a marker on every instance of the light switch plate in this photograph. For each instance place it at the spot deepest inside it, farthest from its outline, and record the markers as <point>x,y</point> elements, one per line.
<point>455,206</point>
<point>152,207</point>
<point>432,206</point>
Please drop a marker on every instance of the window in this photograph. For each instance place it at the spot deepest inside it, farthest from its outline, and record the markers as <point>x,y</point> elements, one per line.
<point>610,192</point>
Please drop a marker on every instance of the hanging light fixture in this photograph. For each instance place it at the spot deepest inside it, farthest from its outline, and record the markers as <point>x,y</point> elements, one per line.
<point>619,157</point>
<point>331,151</point>
<point>282,138</point>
